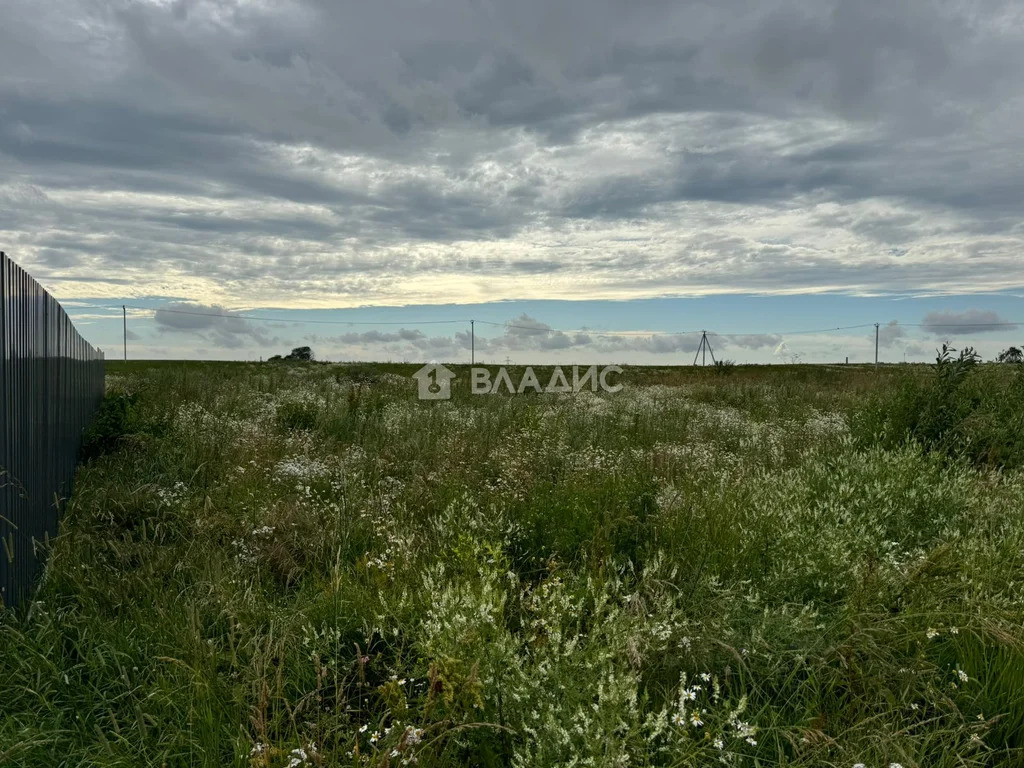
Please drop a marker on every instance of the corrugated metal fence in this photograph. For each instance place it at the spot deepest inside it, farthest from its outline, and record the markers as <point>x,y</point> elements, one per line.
<point>52,382</point>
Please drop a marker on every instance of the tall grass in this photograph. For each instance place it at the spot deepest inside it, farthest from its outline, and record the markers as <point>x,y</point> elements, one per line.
<point>275,565</point>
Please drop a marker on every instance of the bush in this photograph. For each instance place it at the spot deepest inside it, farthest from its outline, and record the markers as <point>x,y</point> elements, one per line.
<point>960,409</point>
<point>113,420</point>
<point>724,367</point>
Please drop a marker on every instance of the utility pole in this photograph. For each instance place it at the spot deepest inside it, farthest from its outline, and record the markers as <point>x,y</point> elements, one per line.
<point>124,326</point>
<point>876,345</point>
<point>472,342</point>
<point>703,349</point>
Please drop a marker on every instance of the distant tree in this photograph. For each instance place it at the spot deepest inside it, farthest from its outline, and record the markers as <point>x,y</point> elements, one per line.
<point>1011,355</point>
<point>273,359</point>
<point>301,353</point>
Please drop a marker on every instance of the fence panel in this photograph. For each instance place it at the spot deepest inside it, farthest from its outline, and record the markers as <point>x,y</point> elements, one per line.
<point>51,381</point>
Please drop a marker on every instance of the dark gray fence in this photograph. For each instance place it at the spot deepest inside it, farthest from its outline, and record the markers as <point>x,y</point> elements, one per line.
<point>52,381</point>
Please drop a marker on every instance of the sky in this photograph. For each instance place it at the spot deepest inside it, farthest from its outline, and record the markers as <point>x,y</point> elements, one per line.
<point>588,180</point>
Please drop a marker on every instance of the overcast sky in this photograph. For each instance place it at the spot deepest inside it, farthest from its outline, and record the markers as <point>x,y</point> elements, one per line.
<point>312,155</point>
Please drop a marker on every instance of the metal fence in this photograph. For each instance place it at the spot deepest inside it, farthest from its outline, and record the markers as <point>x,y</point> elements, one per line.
<point>52,382</point>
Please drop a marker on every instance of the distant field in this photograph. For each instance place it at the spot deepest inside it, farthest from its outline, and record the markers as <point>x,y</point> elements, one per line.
<point>303,565</point>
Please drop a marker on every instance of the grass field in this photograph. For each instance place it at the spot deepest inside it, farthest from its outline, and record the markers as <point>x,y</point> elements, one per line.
<point>303,565</point>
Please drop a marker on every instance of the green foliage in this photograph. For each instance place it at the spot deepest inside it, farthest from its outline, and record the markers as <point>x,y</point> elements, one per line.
<point>297,415</point>
<point>1011,355</point>
<point>113,420</point>
<point>305,566</point>
<point>117,421</point>
<point>724,367</point>
<point>959,409</point>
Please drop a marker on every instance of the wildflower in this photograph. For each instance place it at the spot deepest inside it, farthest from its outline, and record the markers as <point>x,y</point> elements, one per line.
<point>895,765</point>
<point>705,676</point>
<point>751,741</point>
<point>374,737</point>
<point>962,675</point>
<point>931,633</point>
<point>954,631</point>
<point>719,744</point>
<point>695,719</point>
<point>678,719</point>
<point>394,753</point>
<point>859,765</point>
<point>362,728</point>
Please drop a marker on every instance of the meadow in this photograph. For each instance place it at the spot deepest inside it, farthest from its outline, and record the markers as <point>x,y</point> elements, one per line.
<point>271,565</point>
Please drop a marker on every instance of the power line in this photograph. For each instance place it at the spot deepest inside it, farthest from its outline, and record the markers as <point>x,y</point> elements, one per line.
<point>816,330</point>
<point>544,329</point>
<point>669,333</point>
<point>587,331</point>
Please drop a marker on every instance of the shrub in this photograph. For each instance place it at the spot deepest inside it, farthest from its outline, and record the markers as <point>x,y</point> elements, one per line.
<point>960,409</point>
<point>113,420</point>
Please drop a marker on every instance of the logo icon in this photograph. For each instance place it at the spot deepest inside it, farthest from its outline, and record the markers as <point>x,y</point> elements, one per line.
<point>435,382</point>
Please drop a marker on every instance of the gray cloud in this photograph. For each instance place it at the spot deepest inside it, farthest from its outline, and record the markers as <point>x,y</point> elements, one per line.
<point>213,324</point>
<point>949,323</point>
<point>915,349</point>
<point>456,151</point>
<point>889,334</point>
<point>746,340</point>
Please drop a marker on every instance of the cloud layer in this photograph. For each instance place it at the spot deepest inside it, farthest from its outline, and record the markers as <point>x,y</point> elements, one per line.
<point>971,321</point>
<point>334,154</point>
